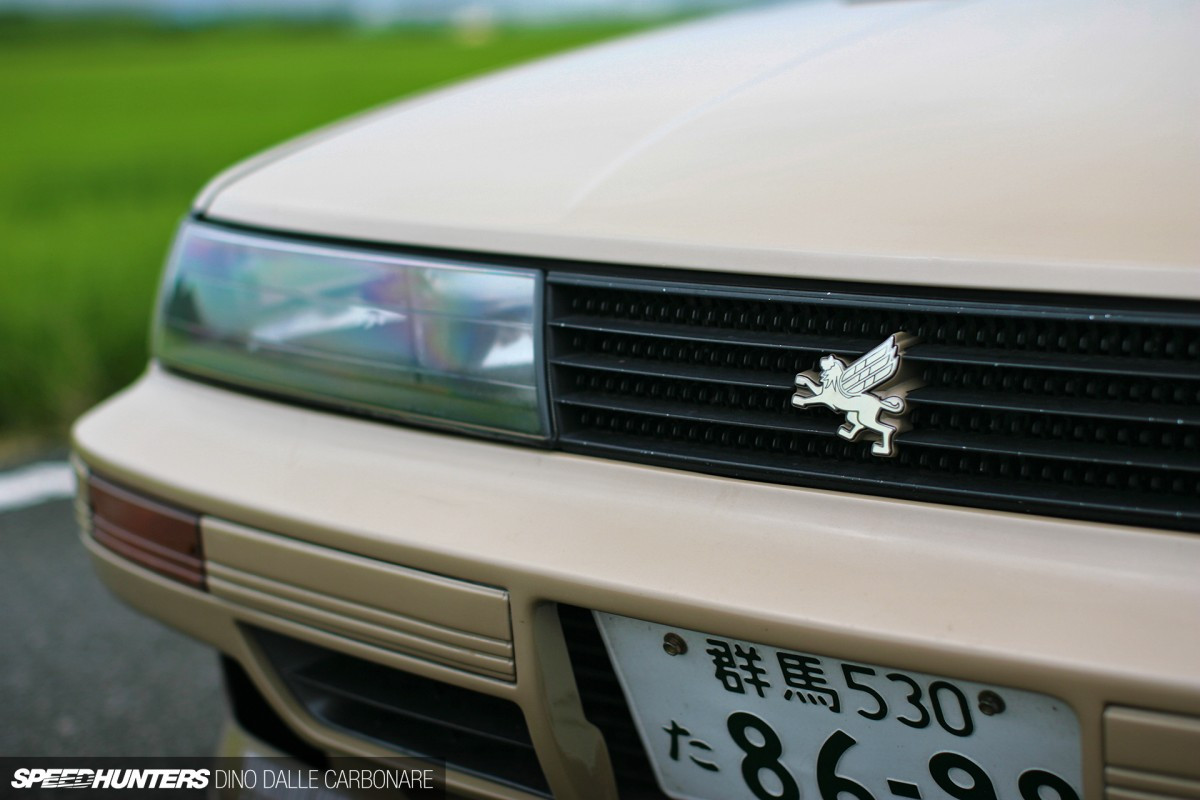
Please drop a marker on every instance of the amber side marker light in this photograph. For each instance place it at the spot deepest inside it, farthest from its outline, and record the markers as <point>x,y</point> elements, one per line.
<point>148,532</point>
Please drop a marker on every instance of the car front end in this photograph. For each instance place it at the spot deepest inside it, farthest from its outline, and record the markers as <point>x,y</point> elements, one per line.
<point>804,401</point>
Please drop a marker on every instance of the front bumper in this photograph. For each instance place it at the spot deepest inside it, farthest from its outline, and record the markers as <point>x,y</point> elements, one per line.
<point>1104,617</point>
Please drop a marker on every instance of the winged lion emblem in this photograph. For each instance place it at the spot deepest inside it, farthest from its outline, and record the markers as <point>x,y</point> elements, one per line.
<point>847,388</point>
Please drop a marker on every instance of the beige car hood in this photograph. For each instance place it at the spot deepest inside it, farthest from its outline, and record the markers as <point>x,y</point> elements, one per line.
<point>1010,144</point>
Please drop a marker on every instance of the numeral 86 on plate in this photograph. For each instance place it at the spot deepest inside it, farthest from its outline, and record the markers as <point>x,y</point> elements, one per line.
<point>954,773</point>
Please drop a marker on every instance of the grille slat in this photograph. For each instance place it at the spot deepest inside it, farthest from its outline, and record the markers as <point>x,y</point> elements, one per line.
<point>694,413</point>
<point>799,343</point>
<point>1028,404</point>
<point>1033,448</point>
<point>1138,368</point>
<point>927,353</point>
<point>996,445</point>
<point>1092,503</point>
<point>1166,414</point>
<point>657,369</point>
<point>1098,409</point>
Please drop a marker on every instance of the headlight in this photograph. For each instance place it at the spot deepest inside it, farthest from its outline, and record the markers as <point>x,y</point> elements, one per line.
<point>408,337</point>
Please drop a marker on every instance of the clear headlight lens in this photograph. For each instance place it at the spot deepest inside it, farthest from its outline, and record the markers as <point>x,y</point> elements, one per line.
<point>410,337</point>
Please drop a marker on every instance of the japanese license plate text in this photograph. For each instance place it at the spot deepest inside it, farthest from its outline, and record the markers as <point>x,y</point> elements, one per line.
<point>723,718</point>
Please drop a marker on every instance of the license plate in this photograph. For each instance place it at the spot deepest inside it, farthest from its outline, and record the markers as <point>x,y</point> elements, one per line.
<point>723,718</point>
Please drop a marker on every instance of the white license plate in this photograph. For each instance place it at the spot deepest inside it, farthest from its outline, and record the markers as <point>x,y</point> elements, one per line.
<point>727,719</point>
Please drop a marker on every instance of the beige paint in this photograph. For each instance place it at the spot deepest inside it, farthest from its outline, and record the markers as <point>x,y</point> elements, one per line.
<point>482,610</point>
<point>1008,145</point>
<point>1017,144</point>
<point>215,622</point>
<point>1130,784</point>
<point>420,613</point>
<point>1098,615</point>
<point>1140,739</point>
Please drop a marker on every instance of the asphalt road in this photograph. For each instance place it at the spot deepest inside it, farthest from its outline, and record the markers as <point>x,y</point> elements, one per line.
<point>82,674</point>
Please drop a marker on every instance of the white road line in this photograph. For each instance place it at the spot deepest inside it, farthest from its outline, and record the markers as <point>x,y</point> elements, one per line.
<point>36,483</point>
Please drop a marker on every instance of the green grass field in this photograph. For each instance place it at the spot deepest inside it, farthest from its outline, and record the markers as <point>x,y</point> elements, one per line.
<point>109,130</point>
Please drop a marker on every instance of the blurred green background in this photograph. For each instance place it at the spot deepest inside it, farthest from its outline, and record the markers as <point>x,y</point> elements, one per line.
<point>110,127</point>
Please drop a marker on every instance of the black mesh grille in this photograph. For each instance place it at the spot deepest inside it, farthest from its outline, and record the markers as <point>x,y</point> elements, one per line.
<point>476,733</point>
<point>1034,405</point>
<point>604,705</point>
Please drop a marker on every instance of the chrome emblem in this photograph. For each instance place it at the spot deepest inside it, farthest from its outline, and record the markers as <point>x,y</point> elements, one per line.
<point>847,388</point>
